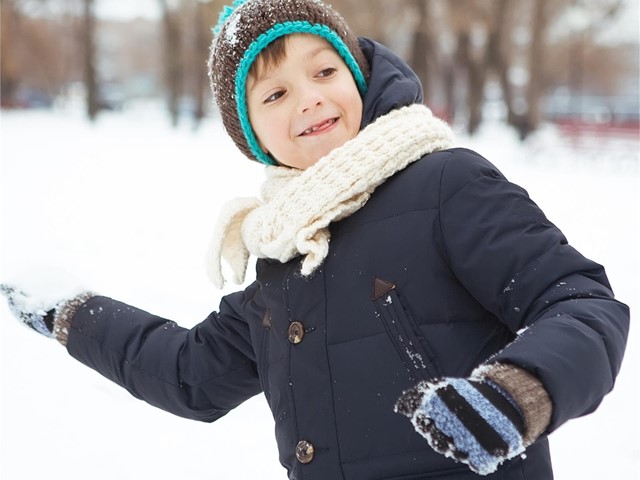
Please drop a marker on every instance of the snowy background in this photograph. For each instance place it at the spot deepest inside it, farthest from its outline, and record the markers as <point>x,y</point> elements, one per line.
<point>126,206</point>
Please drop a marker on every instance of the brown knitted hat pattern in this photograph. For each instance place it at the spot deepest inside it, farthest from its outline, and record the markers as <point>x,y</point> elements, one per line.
<point>244,30</point>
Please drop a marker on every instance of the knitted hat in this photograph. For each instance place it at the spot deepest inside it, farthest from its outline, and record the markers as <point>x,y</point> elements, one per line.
<point>246,29</point>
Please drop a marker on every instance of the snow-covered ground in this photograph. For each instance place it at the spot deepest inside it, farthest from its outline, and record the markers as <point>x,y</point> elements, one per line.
<point>127,205</point>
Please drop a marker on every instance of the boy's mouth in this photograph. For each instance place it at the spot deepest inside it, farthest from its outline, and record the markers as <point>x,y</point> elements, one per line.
<point>319,127</point>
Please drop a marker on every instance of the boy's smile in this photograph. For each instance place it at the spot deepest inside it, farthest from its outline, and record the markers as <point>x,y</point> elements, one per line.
<point>320,127</point>
<point>306,105</point>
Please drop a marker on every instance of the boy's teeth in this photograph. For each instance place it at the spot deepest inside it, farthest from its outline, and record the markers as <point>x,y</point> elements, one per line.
<point>313,129</point>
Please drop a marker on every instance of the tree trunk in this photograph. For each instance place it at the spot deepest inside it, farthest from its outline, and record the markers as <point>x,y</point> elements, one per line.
<point>9,60</point>
<point>172,59</point>
<point>421,46</point>
<point>90,76</point>
<point>536,86</point>
<point>450,107</point>
<point>475,70</point>
<point>203,22</point>
<point>498,58</point>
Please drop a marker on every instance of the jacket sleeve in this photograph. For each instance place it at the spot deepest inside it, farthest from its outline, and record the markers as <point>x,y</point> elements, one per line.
<point>201,373</point>
<point>571,332</point>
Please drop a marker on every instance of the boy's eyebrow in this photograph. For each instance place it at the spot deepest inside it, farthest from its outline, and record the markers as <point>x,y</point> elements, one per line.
<point>253,82</point>
<point>264,77</point>
<point>318,50</point>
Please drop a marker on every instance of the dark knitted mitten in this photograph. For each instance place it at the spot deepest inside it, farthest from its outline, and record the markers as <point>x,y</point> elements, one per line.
<point>472,421</point>
<point>31,314</point>
<point>51,318</point>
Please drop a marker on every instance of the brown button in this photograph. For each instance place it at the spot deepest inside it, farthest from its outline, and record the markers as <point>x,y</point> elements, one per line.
<point>296,332</point>
<point>304,451</point>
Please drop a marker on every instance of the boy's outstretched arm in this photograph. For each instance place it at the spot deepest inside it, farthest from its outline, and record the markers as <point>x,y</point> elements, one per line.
<point>201,373</point>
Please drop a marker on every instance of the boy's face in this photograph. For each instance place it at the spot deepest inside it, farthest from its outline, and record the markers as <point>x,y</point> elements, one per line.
<point>305,106</point>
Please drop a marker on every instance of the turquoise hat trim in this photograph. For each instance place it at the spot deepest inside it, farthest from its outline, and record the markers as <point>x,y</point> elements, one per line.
<point>259,44</point>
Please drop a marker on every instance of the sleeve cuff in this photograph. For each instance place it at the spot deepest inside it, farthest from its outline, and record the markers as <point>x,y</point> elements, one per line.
<point>527,391</point>
<point>65,311</point>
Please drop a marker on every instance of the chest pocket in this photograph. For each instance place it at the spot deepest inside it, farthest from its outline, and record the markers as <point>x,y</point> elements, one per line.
<point>413,349</point>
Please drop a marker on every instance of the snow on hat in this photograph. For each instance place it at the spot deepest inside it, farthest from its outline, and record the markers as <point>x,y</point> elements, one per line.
<point>246,29</point>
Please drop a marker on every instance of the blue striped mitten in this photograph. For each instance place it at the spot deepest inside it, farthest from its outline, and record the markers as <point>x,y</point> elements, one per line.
<point>472,421</point>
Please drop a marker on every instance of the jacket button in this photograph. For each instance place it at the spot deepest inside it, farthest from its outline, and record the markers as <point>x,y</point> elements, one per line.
<point>304,451</point>
<point>296,332</point>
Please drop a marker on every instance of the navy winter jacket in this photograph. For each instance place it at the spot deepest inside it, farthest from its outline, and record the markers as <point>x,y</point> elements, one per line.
<point>479,272</point>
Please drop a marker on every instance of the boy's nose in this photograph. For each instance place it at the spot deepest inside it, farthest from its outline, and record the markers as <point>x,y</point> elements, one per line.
<point>310,99</point>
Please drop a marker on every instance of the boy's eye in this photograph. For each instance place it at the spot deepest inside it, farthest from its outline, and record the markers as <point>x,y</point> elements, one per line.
<point>274,96</point>
<point>327,72</point>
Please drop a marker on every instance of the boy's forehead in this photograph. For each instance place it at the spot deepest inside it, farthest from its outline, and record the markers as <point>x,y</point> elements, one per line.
<point>306,41</point>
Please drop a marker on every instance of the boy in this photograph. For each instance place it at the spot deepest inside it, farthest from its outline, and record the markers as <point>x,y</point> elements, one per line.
<point>395,275</point>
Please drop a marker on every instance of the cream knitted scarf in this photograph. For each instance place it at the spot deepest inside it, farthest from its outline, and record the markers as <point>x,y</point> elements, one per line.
<point>296,206</point>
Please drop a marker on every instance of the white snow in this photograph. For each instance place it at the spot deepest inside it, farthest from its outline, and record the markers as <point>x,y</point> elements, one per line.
<point>231,35</point>
<point>29,304</point>
<point>128,206</point>
<point>35,292</point>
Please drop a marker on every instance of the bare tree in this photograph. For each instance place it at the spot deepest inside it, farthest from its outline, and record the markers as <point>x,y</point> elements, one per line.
<point>470,24</point>
<point>536,85</point>
<point>205,18</point>
<point>9,60</point>
<point>202,38</point>
<point>422,45</point>
<point>500,51</point>
<point>90,75</point>
<point>491,61</point>
<point>370,18</point>
<point>172,55</point>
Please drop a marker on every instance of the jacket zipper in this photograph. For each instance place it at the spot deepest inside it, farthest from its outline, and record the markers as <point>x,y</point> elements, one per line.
<point>413,349</point>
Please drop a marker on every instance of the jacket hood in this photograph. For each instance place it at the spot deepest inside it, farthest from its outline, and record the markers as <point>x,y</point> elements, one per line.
<point>392,83</point>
